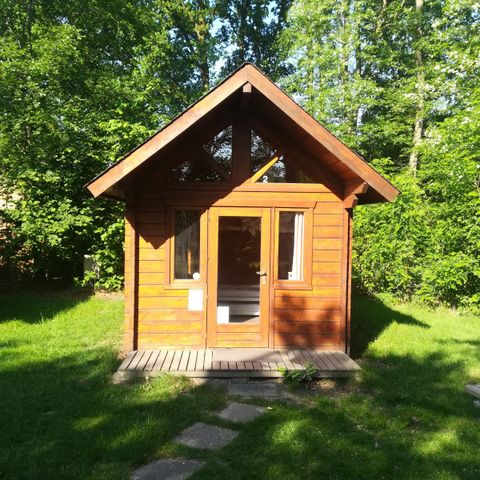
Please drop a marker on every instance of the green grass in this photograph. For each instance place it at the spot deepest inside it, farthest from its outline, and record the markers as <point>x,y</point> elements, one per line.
<point>405,417</point>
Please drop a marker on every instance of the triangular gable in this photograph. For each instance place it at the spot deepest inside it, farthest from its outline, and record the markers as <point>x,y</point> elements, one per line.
<point>358,169</point>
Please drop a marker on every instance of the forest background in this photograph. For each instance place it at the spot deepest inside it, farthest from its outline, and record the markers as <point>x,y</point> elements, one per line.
<point>84,81</point>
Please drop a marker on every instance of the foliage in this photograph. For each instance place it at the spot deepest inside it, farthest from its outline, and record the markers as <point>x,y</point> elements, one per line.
<point>108,258</point>
<point>427,244</point>
<point>249,31</point>
<point>81,86</point>
<point>398,82</point>
<point>297,377</point>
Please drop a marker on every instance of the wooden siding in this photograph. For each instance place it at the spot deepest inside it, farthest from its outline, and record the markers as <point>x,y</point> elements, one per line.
<point>130,275</point>
<point>315,317</point>
<point>311,316</point>
<point>163,316</point>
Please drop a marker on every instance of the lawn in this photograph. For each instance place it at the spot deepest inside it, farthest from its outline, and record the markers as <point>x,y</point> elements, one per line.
<point>406,416</point>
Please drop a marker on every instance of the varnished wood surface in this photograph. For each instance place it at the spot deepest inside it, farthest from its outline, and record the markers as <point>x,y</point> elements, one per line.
<point>225,362</point>
<point>338,157</point>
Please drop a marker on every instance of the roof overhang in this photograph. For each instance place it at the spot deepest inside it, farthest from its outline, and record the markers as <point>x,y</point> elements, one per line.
<point>273,104</point>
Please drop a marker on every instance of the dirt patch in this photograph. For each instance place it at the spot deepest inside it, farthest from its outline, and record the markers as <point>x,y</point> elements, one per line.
<point>333,388</point>
<point>109,295</point>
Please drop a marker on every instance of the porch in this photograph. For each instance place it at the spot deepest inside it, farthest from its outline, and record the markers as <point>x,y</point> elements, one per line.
<point>235,362</point>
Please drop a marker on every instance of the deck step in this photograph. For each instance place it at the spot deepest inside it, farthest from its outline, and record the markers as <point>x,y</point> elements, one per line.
<point>235,362</point>
<point>473,390</point>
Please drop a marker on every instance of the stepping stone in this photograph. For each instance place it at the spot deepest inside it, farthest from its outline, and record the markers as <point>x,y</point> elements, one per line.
<point>201,435</point>
<point>473,390</point>
<point>267,390</point>
<point>240,412</point>
<point>168,469</point>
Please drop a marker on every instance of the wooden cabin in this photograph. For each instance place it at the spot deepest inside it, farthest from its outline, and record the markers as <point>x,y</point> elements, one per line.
<point>239,224</point>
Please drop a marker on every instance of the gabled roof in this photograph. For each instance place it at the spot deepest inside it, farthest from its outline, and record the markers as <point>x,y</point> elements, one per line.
<point>340,160</point>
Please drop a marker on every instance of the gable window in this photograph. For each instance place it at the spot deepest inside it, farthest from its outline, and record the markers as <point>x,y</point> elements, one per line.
<point>283,171</point>
<point>260,152</point>
<point>208,163</point>
<point>195,170</point>
<point>219,153</point>
<point>186,224</point>
<point>271,165</point>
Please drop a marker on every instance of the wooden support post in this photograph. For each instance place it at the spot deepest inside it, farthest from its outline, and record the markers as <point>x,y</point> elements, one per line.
<point>349,282</point>
<point>241,144</point>
<point>131,276</point>
<point>246,95</point>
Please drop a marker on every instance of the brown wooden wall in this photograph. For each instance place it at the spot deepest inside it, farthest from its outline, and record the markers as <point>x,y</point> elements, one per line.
<point>156,314</point>
<point>316,317</point>
<point>163,317</point>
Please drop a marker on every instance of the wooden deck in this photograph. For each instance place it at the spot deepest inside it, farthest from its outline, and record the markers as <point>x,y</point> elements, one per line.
<point>235,362</point>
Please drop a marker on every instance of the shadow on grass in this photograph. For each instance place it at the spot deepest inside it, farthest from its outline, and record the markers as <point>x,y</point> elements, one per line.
<point>370,317</point>
<point>64,419</point>
<point>410,420</point>
<point>40,307</point>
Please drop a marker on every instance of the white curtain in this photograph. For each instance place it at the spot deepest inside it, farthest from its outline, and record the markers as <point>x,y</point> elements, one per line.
<point>297,260</point>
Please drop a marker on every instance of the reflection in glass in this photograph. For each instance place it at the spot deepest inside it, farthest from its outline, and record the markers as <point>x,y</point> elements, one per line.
<point>261,152</point>
<point>220,150</point>
<point>239,240</point>
<point>291,246</point>
<point>187,244</point>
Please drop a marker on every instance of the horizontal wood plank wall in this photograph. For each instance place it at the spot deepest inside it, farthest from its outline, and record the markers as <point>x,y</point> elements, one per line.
<point>312,317</point>
<point>316,317</point>
<point>163,315</point>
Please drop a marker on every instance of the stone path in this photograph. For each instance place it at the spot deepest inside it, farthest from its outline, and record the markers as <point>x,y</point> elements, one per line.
<point>473,390</point>
<point>168,469</point>
<point>262,389</point>
<point>199,435</point>
<point>240,412</point>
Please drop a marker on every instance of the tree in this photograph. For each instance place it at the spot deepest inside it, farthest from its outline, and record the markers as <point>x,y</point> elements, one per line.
<point>397,81</point>
<point>76,94</point>
<point>249,31</point>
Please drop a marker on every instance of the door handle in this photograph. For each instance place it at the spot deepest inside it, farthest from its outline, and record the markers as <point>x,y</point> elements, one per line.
<point>262,274</point>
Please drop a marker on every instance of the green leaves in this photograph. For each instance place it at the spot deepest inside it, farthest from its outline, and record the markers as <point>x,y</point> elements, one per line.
<point>80,87</point>
<point>356,68</point>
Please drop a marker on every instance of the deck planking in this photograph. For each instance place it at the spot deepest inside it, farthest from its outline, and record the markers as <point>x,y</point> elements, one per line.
<point>224,362</point>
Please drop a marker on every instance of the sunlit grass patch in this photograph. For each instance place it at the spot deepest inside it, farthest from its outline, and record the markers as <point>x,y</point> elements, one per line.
<point>406,417</point>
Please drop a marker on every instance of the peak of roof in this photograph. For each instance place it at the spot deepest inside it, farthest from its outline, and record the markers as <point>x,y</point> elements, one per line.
<point>104,183</point>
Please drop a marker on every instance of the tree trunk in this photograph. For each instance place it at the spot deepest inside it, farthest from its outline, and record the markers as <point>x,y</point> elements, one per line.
<point>420,86</point>
<point>202,32</point>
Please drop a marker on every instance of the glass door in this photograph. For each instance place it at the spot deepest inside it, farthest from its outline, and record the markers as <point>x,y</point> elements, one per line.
<point>238,277</point>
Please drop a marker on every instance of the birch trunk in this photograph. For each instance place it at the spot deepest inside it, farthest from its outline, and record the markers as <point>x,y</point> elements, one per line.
<point>420,87</point>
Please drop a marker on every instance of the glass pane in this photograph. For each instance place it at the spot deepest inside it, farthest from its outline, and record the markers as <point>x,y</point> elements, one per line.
<point>291,246</point>
<point>187,244</point>
<point>239,241</point>
<point>284,172</point>
<point>220,150</point>
<point>261,152</point>
<point>195,170</point>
